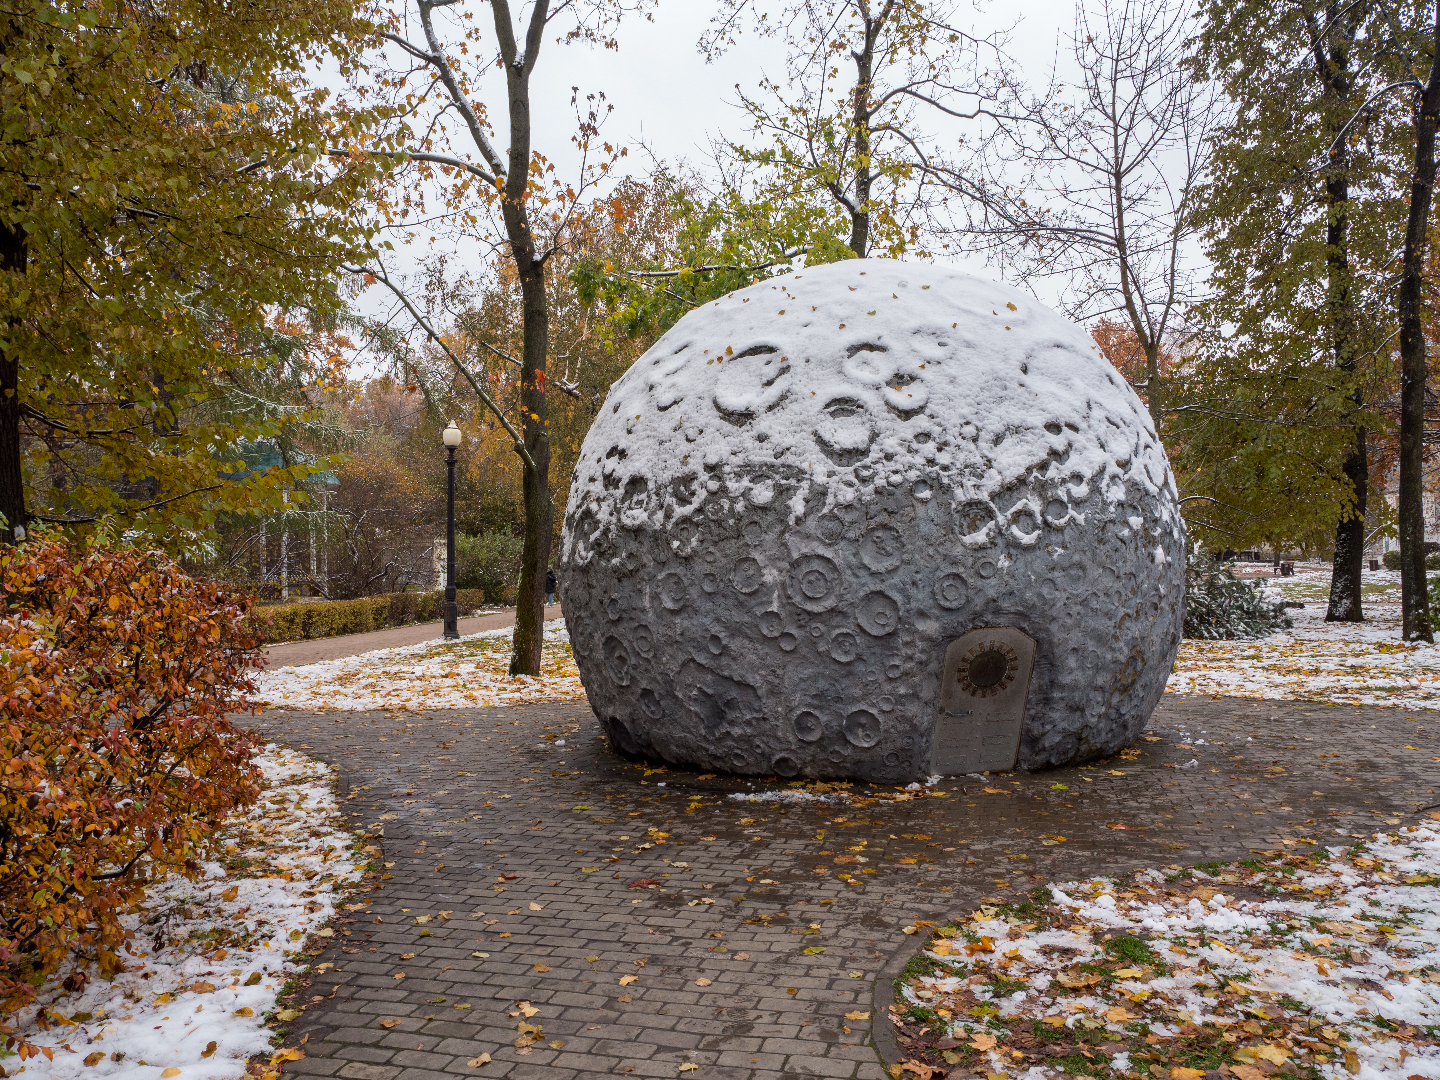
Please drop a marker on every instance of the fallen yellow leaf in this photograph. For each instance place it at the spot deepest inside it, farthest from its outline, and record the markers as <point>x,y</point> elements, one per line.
<point>290,1053</point>
<point>210,1049</point>
<point>246,1011</point>
<point>536,907</point>
<point>1179,1073</point>
<point>1118,1014</point>
<point>983,1041</point>
<point>171,1072</point>
<point>626,980</point>
<point>390,1023</point>
<point>230,894</point>
<point>1054,1021</point>
<point>476,1062</point>
<point>95,1058</point>
<point>1129,973</point>
<point>704,982</point>
<point>858,1014</point>
<point>542,967</point>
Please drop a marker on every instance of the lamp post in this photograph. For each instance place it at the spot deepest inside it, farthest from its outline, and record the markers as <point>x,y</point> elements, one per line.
<point>451,438</point>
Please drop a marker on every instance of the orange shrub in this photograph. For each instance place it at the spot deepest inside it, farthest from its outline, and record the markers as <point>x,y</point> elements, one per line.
<point>117,761</point>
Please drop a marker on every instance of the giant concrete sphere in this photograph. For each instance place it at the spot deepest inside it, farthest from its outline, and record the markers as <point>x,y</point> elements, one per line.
<point>874,519</point>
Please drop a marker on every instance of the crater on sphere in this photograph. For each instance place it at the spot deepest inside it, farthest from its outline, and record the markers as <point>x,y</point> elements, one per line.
<point>815,583</point>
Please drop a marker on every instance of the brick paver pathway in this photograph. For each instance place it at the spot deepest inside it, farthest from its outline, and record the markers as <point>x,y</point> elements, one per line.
<point>524,852</point>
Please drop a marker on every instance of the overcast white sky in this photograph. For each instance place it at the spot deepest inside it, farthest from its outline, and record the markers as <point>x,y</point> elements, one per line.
<point>665,92</point>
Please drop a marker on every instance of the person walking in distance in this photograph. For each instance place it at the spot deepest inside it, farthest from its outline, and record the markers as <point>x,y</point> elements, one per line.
<point>550,582</point>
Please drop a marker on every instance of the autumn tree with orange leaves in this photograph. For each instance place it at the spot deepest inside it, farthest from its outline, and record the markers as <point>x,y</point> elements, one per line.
<point>122,762</point>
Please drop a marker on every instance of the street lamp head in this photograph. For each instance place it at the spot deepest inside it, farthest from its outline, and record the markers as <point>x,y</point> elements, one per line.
<point>451,435</point>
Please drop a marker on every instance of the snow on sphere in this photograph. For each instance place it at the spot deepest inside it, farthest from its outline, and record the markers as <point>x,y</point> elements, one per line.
<point>803,493</point>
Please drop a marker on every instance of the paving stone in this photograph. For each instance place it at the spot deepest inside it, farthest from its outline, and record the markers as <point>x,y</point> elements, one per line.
<point>357,1071</point>
<point>458,798</point>
<point>357,1052</point>
<point>314,1066</point>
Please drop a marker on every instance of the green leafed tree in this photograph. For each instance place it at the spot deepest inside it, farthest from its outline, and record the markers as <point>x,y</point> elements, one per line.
<point>1300,222</point>
<point>850,153</point>
<point>686,245</point>
<point>166,209</point>
<point>864,123</point>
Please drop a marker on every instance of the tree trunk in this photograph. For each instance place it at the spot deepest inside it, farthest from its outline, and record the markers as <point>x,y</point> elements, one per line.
<point>529,637</point>
<point>1350,540</point>
<point>864,76</point>
<point>539,509</point>
<point>1414,595</point>
<point>1332,69</point>
<point>1153,397</point>
<point>14,259</point>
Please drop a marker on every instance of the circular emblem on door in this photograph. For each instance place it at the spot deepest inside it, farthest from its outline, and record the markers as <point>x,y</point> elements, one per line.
<point>987,668</point>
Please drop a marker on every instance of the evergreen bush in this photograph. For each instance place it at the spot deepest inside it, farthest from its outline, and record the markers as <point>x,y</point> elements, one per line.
<point>1221,607</point>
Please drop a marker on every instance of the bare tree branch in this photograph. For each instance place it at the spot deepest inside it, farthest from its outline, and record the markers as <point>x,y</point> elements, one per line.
<point>378,273</point>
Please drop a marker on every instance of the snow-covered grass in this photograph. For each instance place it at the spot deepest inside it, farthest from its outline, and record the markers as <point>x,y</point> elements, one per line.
<point>209,957</point>
<point>432,675</point>
<point>1322,960</point>
<point>1353,663</point>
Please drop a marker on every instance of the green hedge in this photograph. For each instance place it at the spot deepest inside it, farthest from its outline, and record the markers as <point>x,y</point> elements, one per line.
<point>331,618</point>
<point>1391,560</point>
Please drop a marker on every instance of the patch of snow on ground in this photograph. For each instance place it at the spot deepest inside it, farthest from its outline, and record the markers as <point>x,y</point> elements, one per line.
<point>792,796</point>
<point>208,961</point>
<point>431,675</point>
<point>1336,968</point>
<point>1345,663</point>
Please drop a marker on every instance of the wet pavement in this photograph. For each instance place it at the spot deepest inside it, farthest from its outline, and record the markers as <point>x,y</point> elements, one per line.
<point>524,868</point>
